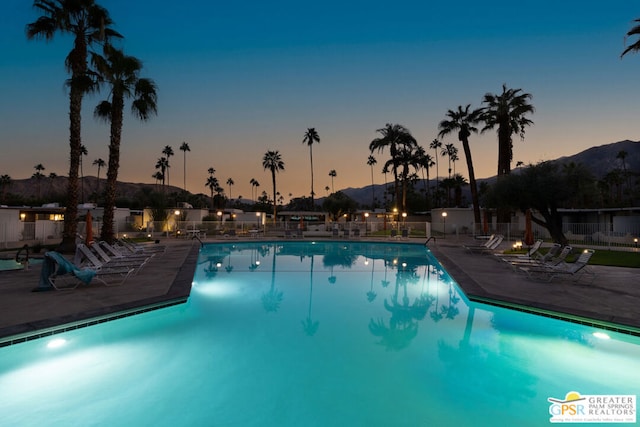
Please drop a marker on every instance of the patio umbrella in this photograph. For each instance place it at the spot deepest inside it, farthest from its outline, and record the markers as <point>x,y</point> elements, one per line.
<point>89,229</point>
<point>528,230</point>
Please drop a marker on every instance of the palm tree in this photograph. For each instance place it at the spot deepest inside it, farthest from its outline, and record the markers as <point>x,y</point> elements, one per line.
<point>158,177</point>
<point>425,161</point>
<point>100,163</point>
<point>507,112</point>
<point>83,152</point>
<point>52,178</point>
<point>253,183</point>
<point>273,161</point>
<point>393,136</point>
<point>372,161</point>
<point>168,152</point>
<point>462,121</point>
<point>184,148</point>
<point>121,74</point>
<point>230,183</point>
<point>309,138</point>
<point>212,183</point>
<point>332,174</point>
<point>449,150</point>
<point>89,24</point>
<point>162,165</point>
<point>634,47</point>
<point>5,182</point>
<point>622,155</point>
<point>436,145</point>
<point>38,175</point>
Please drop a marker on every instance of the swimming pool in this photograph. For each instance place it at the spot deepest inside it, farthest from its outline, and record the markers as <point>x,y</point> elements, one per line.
<point>304,334</point>
<point>11,264</point>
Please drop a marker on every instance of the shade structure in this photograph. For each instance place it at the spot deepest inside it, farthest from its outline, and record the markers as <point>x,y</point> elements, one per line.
<point>89,229</point>
<point>528,229</point>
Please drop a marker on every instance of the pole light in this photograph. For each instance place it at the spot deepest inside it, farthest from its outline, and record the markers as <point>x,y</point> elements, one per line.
<point>444,225</point>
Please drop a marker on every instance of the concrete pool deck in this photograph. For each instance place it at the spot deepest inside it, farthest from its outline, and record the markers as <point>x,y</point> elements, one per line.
<point>612,299</point>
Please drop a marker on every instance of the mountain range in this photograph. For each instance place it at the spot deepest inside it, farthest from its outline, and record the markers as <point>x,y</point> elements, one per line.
<point>599,160</point>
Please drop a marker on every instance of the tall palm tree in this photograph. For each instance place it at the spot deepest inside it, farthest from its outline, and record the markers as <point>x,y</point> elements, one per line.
<point>311,136</point>
<point>121,74</point>
<point>252,181</point>
<point>158,177</point>
<point>393,136</point>
<point>89,24</point>
<point>5,182</point>
<point>424,161</point>
<point>52,178</point>
<point>463,122</point>
<point>83,152</point>
<point>38,175</point>
<point>184,148</point>
<point>212,183</point>
<point>436,145</point>
<point>372,161</point>
<point>506,111</point>
<point>162,165</point>
<point>332,174</point>
<point>100,163</point>
<point>634,47</point>
<point>230,183</point>
<point>272,160</point>
<point>168,152</point>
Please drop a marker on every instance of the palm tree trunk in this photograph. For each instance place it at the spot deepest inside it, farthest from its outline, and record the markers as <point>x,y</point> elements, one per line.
<point>311,156</point>
<point>472,181</point>
<point>273,179</point>
<point>107,233</point>
<point>68,243</point>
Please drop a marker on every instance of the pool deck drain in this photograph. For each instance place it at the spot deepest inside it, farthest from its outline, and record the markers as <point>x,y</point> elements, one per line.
<point>612,301</point>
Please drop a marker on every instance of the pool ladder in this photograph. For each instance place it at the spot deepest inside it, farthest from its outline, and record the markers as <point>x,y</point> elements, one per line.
<point>195,236</point>
<point>429,239</point>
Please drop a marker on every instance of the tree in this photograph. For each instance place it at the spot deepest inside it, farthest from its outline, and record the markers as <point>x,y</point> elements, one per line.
<point>230,183</point>
<point>5,182</point>
<point>371,161</point>
<point>273,162</point>
<point>162,165</point>
<point>332,174</point>
<point>100,163</point>
<point>310,137</point>
<point>506,111</point>
<point>89,24</point>
<point>212,184</point>
<point>184,148</point>
<point>168,152</point>
<point>121,74</point>
<point>83,152</point>
<point>52,178</point>
<point>540,187</point>
<point>436,145</point>
<point>38,175</point>
<point>254,184</point>
<point>424,162</point>
<point>337,204</point>
<point>462,121</point>
<point>393,136</point>
<point>634,47</point>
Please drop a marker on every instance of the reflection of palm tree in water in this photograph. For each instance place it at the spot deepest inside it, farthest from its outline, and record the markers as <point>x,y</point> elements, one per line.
<point>385,282</point>
<point>308,325</point>
<point>271,299</point>
<point>403,325</point>
<point>372,295</point>
<point>451,311</point>
<point>435,314</point>
<point>229,267</point>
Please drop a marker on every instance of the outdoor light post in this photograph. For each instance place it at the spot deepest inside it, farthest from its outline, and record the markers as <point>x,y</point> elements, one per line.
<point>177,214</point>
<point>404,218</point>
<point>635,240</point>
<point>258,215</point>
<point>444,225</point>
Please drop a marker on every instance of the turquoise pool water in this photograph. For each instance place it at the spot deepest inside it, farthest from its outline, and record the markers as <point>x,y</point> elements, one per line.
<point>324,334</point>
<point>11,264</point>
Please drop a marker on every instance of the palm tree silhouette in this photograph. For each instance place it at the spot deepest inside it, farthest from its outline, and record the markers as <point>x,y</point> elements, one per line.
<point>89,24</point>
<point>634,47</point>
<point>273,162</point>
<point>121,73</point>
<point>83,152</point>
<point>308,325</point>
<point>462,121</point>
<point>168,152</point>
<point>162,164</point>
<point>332,174</point>
<point>436,145</point>
<point>100,163</point>
<point>273,297</point>
<point>212,184</point>
<point>371,161</point>
<point>5,182</point>
<point>38,175</point>
<point>184,148</point>
<point>52,178</point>
<point>230,183</point>
<point>507,112</point>
<point>311,136</point>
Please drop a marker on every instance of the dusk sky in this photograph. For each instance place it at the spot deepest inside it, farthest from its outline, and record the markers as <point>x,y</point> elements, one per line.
<point>236,79</point>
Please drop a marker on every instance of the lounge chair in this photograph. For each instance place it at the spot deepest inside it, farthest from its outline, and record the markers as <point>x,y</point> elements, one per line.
<point>486,244</point>
<point>138,248</point>
<point>489,247</point>
<point>531,253</point>
<point>133,261</point>
<point>85,258</point>
<point>574,270</point>
<point>119,252</point>
<point>59,273</point>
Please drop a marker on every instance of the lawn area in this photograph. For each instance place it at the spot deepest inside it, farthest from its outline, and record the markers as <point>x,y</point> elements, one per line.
<point>612,258</point>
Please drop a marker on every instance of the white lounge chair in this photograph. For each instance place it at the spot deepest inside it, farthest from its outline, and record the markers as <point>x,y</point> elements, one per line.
<point>574,270</point>
<point>489,247</point>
